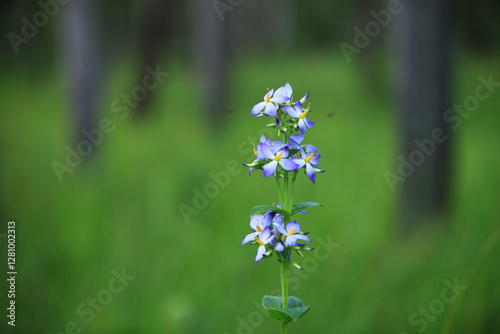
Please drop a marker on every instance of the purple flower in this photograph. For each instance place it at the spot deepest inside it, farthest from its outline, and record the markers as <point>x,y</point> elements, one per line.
<point>263,239</point>
<point>258,223</point>
<point>277,244</point>
<point>286,91</point>
<point>297,112</point>
<point>269,104</point>
<point>274,146</point>
<point>278,219</point>
<point>291,233</point>
<point>310,160</point>
<point>295,141</point>
<point>256,150</point>
<point>278,157</point>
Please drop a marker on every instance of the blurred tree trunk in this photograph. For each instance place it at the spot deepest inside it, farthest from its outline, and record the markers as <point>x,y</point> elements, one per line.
<point>158,23</point>
<point>210,52</point>
<point>368,59</point>
<point>82,60</point>
<point>423,95</point>
<point>278,22</point>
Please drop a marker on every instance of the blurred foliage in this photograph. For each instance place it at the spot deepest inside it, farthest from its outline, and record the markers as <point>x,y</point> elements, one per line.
<point>121,209</point>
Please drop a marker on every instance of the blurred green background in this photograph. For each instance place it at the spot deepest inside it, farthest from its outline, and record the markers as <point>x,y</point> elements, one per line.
<point>121,207</point>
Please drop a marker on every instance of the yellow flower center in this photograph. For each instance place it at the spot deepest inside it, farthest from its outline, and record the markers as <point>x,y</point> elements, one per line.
<point>309,158</point>
<point>304,114</point>
<point>259,229</point>
<point>255,151</point>
<point>267,99</point>
<point>260,242</point>
<point>292,231</point>
<point>278,157</point>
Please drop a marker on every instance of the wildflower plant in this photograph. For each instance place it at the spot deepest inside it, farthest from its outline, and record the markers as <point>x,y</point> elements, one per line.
<point>275,229</point>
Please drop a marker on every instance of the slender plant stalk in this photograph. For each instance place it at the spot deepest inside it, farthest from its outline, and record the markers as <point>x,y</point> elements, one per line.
<point>286,191</point>
<point>284,268</point>
<point>284,283</point>
<point>284,290</point>
<point>283,327</point>
<point>280,193</point>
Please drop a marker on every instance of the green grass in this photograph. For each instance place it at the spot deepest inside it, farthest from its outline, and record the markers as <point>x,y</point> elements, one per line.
<point>121,209</point>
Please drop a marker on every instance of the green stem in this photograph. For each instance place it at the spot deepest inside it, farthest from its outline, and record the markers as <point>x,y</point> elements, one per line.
<point>280,193</point>
<point>287,194</point>
<point>284,283</point>
<point>284,290</point>
<point>286,205</point>
<point>283,327</point>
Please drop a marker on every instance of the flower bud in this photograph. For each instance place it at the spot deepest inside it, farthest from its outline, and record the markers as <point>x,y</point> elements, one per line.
<point>302,100</point>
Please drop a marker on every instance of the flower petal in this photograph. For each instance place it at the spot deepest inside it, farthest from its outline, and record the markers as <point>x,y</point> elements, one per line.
<point>302,126</point>
<point>268,219</point>
<point>270,168</point>
<point>266,151</point>
<point>280,228</point>
<point>285,151</point>
<point>293,225</point>
<point>291,240</point>
<point>279,247</point>
<point>302,100</point>
<point>280,99</point>
<point>314,161</point>
<point>291,111</point>
<point>286,90</point>
<point>278,219</point>
<point>258,108</point>
<point>310,148</point>
<point>260,253</point>
<point>299,162</point>
<point>270,93</point>
<point>277,146</point>
<point>270,109</point>
<point>298,107</point>
<point>249,237</point>
<point>255,221</point>
<point>311,173</point>
<point>297,139</point>
<point>302,237</point>
<point>309,123</point>
<point>288,164</point>
<point>265,234</point>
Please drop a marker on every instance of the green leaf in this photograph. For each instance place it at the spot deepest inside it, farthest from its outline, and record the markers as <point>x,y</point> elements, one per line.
<point>275,302</point>
<point>271,302</point>
<point>294,302</point>
<point>259,209</point>
<point>279,314</point>
<point>296,208</point>
<point>288,314</point>
<point>296,312</point>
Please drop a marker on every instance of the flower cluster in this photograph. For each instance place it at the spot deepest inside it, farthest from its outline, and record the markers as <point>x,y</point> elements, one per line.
<point>274,231</point>
<point>272,234</point>
<point>291,155</point>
